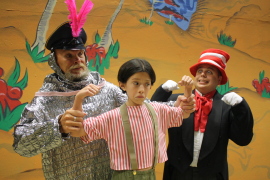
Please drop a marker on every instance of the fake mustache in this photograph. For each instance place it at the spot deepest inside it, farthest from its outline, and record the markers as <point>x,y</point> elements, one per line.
<point>76,66</point>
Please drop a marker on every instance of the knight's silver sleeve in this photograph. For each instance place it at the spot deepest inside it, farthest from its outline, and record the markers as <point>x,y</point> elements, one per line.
<point>121,98</point>
<point>38,130</point>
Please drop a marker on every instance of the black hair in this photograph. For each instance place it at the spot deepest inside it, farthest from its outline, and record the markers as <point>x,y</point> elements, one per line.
<point>134,66</point>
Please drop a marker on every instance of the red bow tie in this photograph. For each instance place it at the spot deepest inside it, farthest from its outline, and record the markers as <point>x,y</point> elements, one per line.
<point>203,108</point>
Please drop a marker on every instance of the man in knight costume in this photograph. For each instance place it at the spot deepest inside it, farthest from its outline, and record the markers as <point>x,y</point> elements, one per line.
<point>44,125</point>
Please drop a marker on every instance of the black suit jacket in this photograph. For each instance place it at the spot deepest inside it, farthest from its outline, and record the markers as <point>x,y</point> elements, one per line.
<point>224,122</point>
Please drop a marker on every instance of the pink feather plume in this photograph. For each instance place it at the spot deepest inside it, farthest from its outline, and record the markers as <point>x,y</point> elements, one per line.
<point>78,20</point>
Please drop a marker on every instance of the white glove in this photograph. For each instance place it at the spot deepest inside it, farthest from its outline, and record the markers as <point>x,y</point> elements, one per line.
<point>170,85</point>
<point>232,98</point>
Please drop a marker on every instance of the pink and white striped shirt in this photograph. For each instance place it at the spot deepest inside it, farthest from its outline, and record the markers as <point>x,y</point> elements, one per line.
<point>109,126</point>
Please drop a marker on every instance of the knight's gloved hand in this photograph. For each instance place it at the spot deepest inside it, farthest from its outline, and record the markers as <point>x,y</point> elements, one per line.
<point>170,85</point>
<point>232,98</point>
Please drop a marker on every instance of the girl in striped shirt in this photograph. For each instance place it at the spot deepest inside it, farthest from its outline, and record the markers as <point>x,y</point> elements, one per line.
<point>135,132</point>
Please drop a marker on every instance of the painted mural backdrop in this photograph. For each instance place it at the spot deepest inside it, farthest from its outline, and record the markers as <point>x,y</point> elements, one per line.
<point>170,34</point>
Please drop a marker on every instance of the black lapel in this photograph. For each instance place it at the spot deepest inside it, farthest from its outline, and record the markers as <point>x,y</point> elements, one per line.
<point>212,130</point>
<point>188,133</point>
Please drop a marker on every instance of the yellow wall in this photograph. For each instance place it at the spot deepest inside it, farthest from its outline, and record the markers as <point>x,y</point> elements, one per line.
<point>169,49</point>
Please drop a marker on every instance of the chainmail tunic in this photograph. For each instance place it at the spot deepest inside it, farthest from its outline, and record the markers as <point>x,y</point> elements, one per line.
<point>38,131</point>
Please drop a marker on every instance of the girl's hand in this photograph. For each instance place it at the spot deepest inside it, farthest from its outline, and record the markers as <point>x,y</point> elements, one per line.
<point>187,81</point>
<point>89,90</point>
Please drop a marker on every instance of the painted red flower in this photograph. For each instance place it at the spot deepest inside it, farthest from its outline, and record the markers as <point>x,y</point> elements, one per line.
<point>265,84</point>
<point>9,96</point>
<point>93,50</point>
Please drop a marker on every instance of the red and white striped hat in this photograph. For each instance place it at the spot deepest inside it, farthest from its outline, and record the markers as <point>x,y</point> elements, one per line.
<point>214,57</point>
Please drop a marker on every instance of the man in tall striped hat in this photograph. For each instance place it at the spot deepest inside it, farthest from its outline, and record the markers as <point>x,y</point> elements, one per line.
<point>197,150</point>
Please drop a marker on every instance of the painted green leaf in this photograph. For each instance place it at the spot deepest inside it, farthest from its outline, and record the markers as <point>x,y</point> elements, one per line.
<point>106,62</point>
<point>28,47</point>
<point>97,38</point>
<point>1,114</point>
<point>11,117</point>
<point>37,57</point>
<point>115,50</point>
<point>110,50</point>
<point>40,54</point>
<point>23,83</point>
<point>225,40</point>
<point>13,78</point>
<point>223,89</point>
<point>34,51</point>
<point>261,76</point>
<point>265,94</point>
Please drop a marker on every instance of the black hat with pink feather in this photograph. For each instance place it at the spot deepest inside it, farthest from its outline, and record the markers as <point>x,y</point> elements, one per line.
<point>70,35</point>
